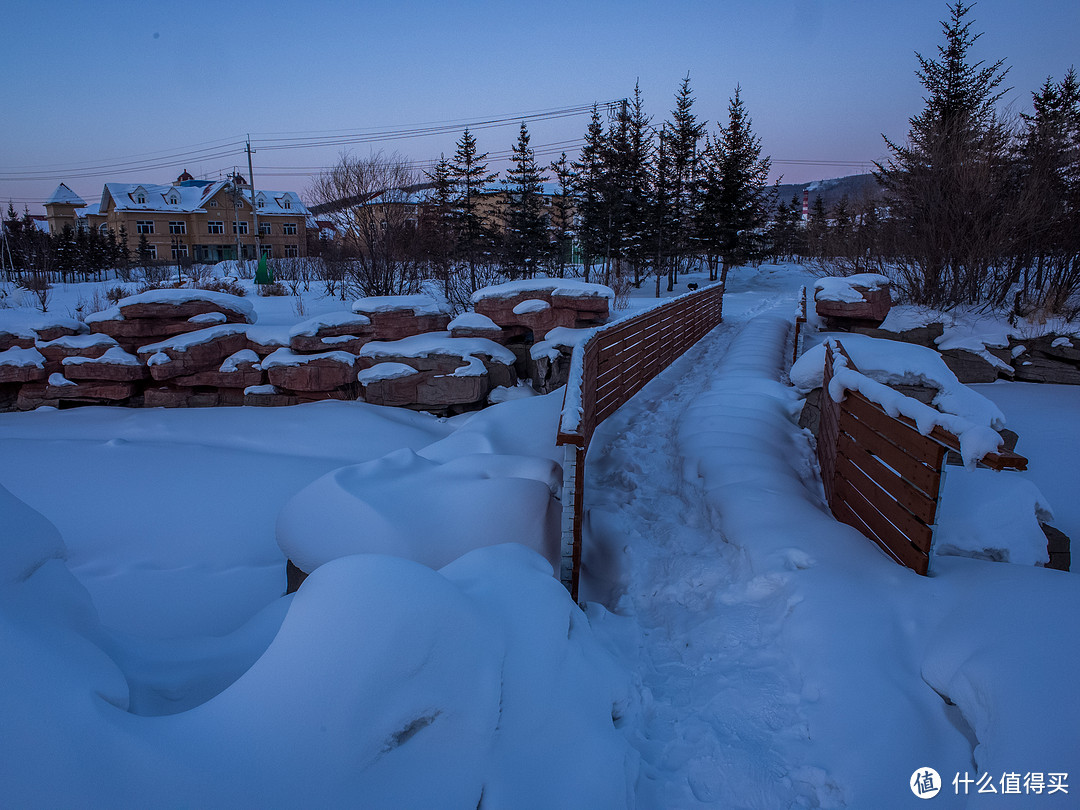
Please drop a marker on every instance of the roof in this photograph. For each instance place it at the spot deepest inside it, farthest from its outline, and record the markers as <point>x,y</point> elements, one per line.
<point>277,202</point>
<point>192,196</point>
<point>65,196</point>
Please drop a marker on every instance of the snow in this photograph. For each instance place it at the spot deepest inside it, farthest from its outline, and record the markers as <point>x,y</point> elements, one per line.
<point>115,356</point>
<point>232,303</point>
<point>234,361</point>
<point>558,339</point>
<point>58,380</point>
<point>505,393</point>
<point>27,323</point>
<point>22,358</point>
<point>842,288</point>
<point>438,343</point>
<point>530,306</point>
<point>312,326</point>
<point>1061,341</point>
<point>287,357</point>
<point>552,286</point>
<point>474,320</point>
<point>385,371</point>
<point>186,340</point>
<point>78,342</point>
<point>65,196</point>
<point>466,503</point>
<point>208,318</point>
<point>739,647</point>
<point>992,516</point>
<point>417,304</point>
<point>892,362</point>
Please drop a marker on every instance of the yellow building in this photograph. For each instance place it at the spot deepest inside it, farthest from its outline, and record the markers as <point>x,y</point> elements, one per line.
<point>203,220</point>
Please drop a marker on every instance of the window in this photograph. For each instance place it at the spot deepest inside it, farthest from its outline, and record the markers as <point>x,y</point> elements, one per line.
<point>260,202</point>
<point>151,251</point>
<point>268,251</point>
<point>177,227</point>
<point>286,203</point>
<point>179,251</point>
<point>215,227</point>
<point>140,199</point>
<point>213,203</point>
<point>289,229</point>
<point>240,227</point>
<point>291,251</point>
<point>144,226</point>
<point>103,229</point>
<point>264,228</point>
<point>174,200</point>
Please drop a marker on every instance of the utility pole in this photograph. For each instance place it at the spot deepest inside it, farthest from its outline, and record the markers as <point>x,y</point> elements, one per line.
<point>237,201</point>
<point>254,207</point>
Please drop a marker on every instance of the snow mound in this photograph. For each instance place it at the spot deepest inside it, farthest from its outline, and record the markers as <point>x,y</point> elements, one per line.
<point>22,358</point>
<point>992,516</point>
<point>385,371</point>
<point>176,297</point>
<point>475,321</point>
<point>423,510</point>
<point>312,326</point>
<point>842,288</point>
<point>554,286</point>
<point>438,343</point>
<point>531,305</point>
<point>417,304</point>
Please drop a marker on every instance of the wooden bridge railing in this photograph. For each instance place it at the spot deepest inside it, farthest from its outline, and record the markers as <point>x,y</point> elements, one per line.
<point>882,476</point>
<point>613,365</point>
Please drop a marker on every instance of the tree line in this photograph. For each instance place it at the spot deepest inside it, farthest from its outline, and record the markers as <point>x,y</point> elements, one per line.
<point>641,201</point>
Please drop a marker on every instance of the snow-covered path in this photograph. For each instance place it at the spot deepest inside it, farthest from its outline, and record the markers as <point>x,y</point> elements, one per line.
<point>718,691</point>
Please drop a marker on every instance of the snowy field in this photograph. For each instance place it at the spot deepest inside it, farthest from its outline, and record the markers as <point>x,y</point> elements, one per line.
<point>738,649</point>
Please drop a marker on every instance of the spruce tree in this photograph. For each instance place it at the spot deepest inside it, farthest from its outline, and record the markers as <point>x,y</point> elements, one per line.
<point>593,191</point>
<point>526,232</point>
<point>470,175</point>
<point>947,183</point>
<point>562,213</point>
<point>440,241</point>
<point>685,135</point>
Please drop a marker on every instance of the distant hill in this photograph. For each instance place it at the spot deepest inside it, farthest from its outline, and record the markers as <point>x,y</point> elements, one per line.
<point>855,186</point>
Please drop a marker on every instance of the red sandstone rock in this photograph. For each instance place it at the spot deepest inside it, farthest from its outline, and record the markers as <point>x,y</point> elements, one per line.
<point>92,389</point>
<point>315,372</point>
<point>192,353</point>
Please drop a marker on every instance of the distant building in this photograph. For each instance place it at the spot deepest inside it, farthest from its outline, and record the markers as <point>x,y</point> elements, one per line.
<point>204,220</point>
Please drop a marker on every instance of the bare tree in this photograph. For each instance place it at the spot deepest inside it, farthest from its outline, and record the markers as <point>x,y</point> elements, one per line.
<point>372,202</point>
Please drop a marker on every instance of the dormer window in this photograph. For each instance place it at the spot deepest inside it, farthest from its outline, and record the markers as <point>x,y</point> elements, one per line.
<point>140,199</point>
<point>286,203</point>
<point>174,200</point>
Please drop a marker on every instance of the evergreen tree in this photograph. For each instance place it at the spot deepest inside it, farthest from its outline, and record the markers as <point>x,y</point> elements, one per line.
<point>562,214</point>
<point>526,232</point>
<point>123,254</point>
<point>470,175</point>
<point>948,183</point>
<point>661,214</point>
<point>735,198</point>
<point>631,154</point>
<point>143,251</point>
<point>439,231</point>
<point>685,135</point>
<point>593,192</point>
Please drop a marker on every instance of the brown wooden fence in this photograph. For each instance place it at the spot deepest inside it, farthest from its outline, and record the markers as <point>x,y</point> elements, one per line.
<point>613,365</point>
<point>882,476</point>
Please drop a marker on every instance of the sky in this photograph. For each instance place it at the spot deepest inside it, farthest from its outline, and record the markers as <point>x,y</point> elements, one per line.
<point>138,92</point>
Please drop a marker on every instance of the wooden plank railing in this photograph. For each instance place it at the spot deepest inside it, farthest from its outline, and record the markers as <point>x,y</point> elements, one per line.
<point>882,476</point>
<point>606,371</point>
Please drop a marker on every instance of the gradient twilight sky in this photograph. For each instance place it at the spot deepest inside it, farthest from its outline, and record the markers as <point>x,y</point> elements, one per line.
<point>91,88</point>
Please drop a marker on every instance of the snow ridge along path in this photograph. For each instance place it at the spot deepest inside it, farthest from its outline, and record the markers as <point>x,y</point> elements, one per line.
<point>721,700</point>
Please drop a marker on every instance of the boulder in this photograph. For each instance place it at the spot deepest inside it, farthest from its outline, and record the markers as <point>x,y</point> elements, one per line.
<point>335,331</point>
<point>95,390</point>
<point>920,335</point>
<point>844,301</point>
<point>169,397</point>
<point>970,367</point>
<point>240,370</point>
<point>1031,368</point>
<point>66,327</point>
<point>22,365</point>
<point>89,345</point>
<point>32,395</point>
<point>170,304</point>
<point>114,365</point>
<point>268,396</point>
<point>191,353</point>
<point>475,325</point>
<point>531,309</point>
<point>15,340</point>
<point>310,372</point>
<point>394,317</point>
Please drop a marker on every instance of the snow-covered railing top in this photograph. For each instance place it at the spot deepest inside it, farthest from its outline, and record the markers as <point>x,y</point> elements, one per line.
<point>619,358</point>
<point>976,439</point>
